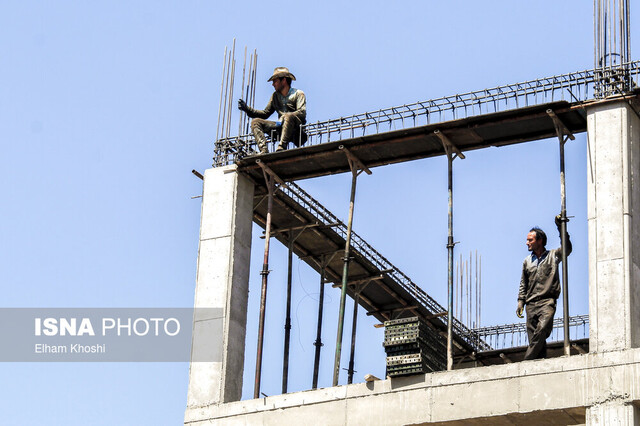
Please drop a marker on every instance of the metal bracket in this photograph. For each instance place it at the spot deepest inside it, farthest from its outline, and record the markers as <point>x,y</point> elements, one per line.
<point>266,170</point>
<point>355,164</point>
<point>449,147</point>
<point>561,129</point>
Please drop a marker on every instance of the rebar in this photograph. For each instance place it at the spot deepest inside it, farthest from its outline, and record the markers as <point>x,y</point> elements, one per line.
<point>224,66</point>
<point>611,47</point>
<point>579,86</point>
<point>496,335</point>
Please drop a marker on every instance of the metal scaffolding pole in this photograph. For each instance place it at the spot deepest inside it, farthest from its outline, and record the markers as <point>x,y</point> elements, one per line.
<point>354,325</point>
<point>356,167</point>
<point>263,294</point>
<point>452,153</point>
<point>287,324</point>
<point>563,136</point>
<point>318,342</point>
<point>270,180</point>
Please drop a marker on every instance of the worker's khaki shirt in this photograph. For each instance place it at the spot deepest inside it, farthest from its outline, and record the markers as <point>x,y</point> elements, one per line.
<point>294,103</point>
<point>540,278</point>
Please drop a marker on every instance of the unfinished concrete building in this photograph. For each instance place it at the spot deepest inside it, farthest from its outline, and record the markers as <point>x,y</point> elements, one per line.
<point>593,381</point>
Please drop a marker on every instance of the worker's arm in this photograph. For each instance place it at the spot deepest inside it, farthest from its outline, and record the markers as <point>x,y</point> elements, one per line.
<point>256,113</point>
<point>522,290</point>
<point>569,247</point>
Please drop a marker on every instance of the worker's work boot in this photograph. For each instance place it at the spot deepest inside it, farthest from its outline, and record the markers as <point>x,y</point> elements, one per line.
<point>257,128</point>
<point>282,146</point>
<point>262,143</point>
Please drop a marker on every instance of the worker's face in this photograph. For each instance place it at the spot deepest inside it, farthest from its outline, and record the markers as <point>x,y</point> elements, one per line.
<point>278,84</point>
<point>533,244</point>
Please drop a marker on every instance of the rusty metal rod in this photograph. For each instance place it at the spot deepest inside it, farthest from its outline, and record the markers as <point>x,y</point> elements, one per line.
<point>318,342</point>
<point>226,96</point>
<point>287,324</point>
<point>263,296</point>
<point>354,325</point>
<point>244,68</point>
<point>224,67</point>
<point>231,87</point>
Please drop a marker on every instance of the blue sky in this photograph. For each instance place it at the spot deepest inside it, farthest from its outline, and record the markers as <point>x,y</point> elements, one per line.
<point>106,106</point>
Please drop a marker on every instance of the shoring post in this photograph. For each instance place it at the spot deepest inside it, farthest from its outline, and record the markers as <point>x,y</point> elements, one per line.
<point>270,179</point>
<point>356,168</point>
<point>564,134</point>
<point>452,152</point>
<point>354,325</point>
<point>318,342</point>
<point>287,324</point>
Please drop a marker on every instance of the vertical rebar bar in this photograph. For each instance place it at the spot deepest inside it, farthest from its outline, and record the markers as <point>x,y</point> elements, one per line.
<point>354,325</point>
<point>263,294</point>
<point>477,322</point>
<point>224,67</point>
<point>226,94</point>
<point>345,276</point>
<point>456,285</point>
<point>242,116</point>
<point>287,324</point>
<point>318,342</point>
<point>231,86</point>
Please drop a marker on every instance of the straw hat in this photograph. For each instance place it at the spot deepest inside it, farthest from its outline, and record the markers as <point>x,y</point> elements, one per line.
<point>280,72</point>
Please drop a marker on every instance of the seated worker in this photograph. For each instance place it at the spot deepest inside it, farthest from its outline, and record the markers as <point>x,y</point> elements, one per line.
<point>291,105</point>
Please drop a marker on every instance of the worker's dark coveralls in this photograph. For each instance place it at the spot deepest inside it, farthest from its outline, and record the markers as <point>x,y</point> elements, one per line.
<point>292,113</point>
<point>539,289</point>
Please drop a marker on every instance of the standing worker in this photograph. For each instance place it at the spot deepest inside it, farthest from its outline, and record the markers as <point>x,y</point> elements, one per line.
<point>291,105</point>
<point>539,289</point>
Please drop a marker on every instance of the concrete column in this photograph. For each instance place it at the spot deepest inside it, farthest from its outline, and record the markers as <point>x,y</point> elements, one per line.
<point>613,180</point>
<point>613,414</point>
<point>222,284</point>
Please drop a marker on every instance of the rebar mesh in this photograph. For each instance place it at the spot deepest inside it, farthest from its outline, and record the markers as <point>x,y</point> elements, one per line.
<point>574,87</point>
<point>513,335</point>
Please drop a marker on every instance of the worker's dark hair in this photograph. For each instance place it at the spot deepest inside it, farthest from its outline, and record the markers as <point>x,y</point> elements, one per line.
<point>540,235</point>
<point>288,80</point>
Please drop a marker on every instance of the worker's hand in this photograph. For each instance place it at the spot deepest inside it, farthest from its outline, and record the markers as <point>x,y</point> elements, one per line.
<point>242,105</point>
<point>558,219</point>
<point>520,309</point>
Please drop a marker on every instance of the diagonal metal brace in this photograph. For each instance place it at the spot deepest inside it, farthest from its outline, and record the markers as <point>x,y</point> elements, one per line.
<point>561,129</point>
<point>354,161</point>
<point>449,147</point>
<point>270,172</point>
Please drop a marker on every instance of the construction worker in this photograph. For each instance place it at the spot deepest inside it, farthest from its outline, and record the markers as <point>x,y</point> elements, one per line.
<point>539,289</point>
<point>291,105</point>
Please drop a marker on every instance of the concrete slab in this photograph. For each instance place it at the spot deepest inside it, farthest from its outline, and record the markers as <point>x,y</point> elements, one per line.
<point>553,391</point>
